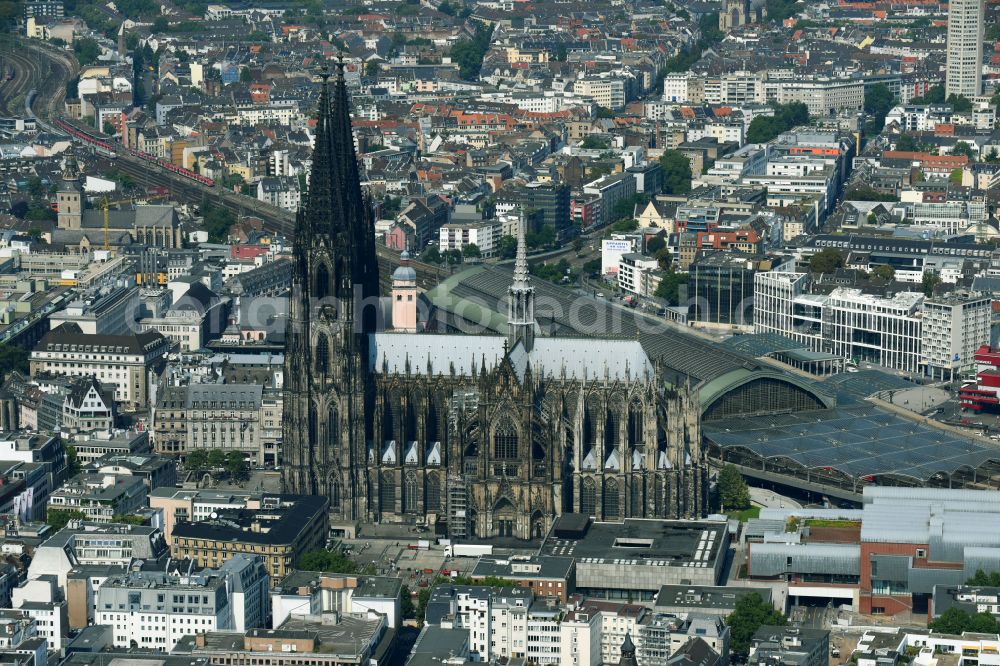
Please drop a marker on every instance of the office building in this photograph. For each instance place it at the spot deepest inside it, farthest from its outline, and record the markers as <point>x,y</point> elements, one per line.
<point>99,544</point>
<point>111,443</point>
<point>964,50</point>
<point>801,646</point>
<point>281,529</point>
<point>330,640</point>
<point>545,575</point>
<point>107,311</point>
<point>154,610</point>
<point>721,285</point>
<point>633,559</point>
<point>99,496</point>
<point>305,593</point>
<point>954,327</point>
<point>613,189</point>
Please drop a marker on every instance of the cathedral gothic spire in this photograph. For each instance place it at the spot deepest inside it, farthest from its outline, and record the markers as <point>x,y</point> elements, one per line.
<point>521,297</point>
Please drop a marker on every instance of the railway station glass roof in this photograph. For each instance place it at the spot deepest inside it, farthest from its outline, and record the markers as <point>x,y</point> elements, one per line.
<point>856,440</point>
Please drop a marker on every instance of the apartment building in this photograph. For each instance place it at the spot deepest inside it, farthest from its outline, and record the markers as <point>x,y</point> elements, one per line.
<point>612,189</point>
<point>638,274</point>
<point>610,92</point>
<point>485,235</point>
<point>964,48</point>
<point>122,360</point>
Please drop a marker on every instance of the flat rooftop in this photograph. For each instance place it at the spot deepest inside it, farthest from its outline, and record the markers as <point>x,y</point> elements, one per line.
<point>668,543</point>
<point>704,596</point>
<point>543,566</point>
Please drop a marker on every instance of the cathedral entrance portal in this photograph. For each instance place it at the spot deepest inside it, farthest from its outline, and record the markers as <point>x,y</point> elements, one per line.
<point>503,518</point>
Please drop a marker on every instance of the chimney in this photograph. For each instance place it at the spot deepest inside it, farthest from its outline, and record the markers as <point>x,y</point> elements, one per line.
<point>199,640</point>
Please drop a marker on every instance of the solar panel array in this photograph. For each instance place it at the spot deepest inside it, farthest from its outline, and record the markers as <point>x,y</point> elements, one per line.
<point>857,441</point>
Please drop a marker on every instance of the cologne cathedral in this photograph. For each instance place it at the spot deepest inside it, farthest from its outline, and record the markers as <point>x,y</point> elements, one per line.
<point>478,436</point>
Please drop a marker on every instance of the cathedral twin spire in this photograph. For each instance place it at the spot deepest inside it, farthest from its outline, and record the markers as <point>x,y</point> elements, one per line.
<point>521,297</point>
<point>336,209</point>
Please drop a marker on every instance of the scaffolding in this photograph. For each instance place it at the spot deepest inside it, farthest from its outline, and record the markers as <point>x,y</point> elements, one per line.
<point>458,507</point>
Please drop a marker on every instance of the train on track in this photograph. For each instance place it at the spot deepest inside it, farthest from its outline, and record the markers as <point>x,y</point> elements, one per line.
<point>112,148</point>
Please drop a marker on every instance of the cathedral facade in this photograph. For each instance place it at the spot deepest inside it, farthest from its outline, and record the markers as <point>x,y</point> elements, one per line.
<point>484,435</point>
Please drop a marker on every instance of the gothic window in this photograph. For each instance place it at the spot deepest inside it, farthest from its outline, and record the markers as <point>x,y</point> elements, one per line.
<point>313,425</point>
<point>588,497</point>
<point>411,493</point>
<point>334,493</point>
<point>433,493</point>
<point>387,492</point>
<point>431,423</point>
<point>610,510</point>
<point>390,407</point>
<point>589,427</point>
<point>333,430</point>
<point>635,424</point>
<point>505,441</point>
<point>322,354</point>
<point>321,286</point>
<point>636,511</point>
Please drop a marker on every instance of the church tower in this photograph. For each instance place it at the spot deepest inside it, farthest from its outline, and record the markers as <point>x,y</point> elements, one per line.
<point>332,311</point>
<point>521,298</point>
<point>70,195</point>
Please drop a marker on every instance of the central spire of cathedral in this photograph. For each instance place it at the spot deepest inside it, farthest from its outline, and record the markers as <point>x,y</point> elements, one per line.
<point>521,297</point>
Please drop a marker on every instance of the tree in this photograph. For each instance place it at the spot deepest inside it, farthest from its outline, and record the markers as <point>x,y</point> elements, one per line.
<point>406,607</point>
<point>35,187</point>
<point>826,261</point>
<point>217,221</point>
<point>72,461</point>
<point>750,614</point>
<point>236,464</point>
<point>13,357</point>
<point>862,192</point>
<point>734,494</point>
<point>87,50</point>
<point>962,148</point>
<point>676,172</point>
<point>109,128</point>
<point>670,286</point>
<point>884,272</point>
<point>955,176</point>
<point>160,24</point>
<point>245,75</point>
<point>960,103</point>
<point>786,116</point>
<point>507,248</point>
<point>560,53</point>
<point>878,101</point>
<point>468,54</point>
<point>655,244</point>
<point>471,251</point>
<point>431,255</point>
<point>57,518</point>
<point>128,519</point>
<point>327,561</point>
<point>19,209</point>
<point>196,460</point>
<point>929,281</point>
<point>934,95</point>
<point>956,621</point>
<point>708,26</point>
<point>906,143</point>
<point>216,458</point>
<point>423,597</point>
<point>371,69</point>
<point>983,579</point>
<point>593,142</point>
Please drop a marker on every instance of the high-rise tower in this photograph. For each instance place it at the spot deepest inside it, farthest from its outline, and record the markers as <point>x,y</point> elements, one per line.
<point>964,72</point>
